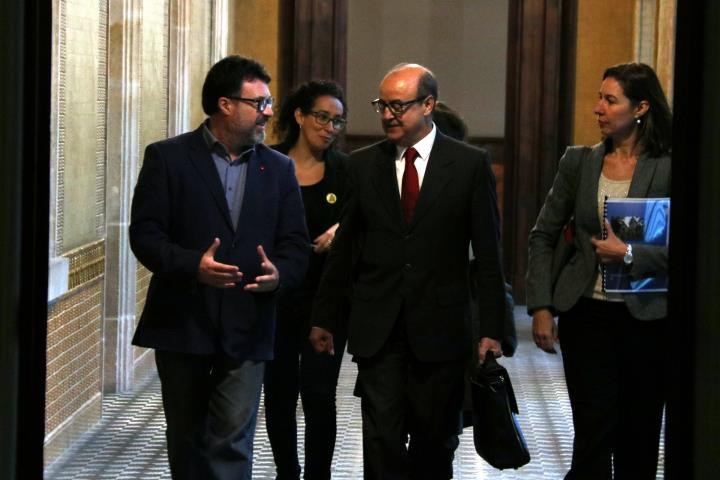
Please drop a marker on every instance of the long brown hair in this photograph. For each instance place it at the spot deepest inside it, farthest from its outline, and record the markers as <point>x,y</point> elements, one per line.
<point>639,82</point>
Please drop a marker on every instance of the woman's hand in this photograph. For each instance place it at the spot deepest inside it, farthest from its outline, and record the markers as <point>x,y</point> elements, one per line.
<point>323,242</point>
<point>610,250</point>
<point>544,330</point>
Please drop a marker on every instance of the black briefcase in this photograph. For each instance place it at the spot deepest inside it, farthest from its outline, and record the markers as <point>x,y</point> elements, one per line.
<point>496,432</point>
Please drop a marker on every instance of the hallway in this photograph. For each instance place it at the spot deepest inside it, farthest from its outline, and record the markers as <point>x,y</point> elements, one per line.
<point>129,442</point>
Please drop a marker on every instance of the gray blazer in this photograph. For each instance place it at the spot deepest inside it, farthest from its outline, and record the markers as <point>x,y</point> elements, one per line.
<point>574,192</point>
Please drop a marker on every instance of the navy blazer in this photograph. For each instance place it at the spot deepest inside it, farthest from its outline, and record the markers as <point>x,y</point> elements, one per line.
<point>178,209</point>
<point>574,192</point>
<point>416,272</point>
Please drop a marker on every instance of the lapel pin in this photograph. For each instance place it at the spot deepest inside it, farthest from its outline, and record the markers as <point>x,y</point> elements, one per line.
<point>331,198</point>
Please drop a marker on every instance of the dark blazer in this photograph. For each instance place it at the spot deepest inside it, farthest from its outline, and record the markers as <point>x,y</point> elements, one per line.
<point>418,271</point>
<point>574,192</point>
<point>318,220</point>
<point>178,209</point>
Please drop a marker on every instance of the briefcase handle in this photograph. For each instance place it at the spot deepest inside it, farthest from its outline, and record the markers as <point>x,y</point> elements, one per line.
<point>494,376</point>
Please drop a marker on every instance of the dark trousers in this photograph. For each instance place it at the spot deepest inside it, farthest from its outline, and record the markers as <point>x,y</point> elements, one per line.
<point>297,369</point>
<point>403,397</point>
<point>211,404</point>
<point>614,369</point>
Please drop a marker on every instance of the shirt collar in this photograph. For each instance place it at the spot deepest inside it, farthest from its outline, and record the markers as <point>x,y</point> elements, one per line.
<point>423,147</point>
<point>215,146</point>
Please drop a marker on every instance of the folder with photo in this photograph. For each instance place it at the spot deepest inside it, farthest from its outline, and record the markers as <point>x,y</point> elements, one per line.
<point>644,221</point>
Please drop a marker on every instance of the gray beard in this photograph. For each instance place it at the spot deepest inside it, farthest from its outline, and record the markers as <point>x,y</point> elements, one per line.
<point>253,137</point>
<point>258,137</point>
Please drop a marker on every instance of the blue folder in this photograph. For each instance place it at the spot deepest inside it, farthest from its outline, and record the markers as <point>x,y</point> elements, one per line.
<point>643,221</point>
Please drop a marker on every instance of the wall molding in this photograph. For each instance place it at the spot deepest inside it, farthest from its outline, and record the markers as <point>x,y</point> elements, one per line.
<point>178,73</point>
<point>124,132</point>
<point>58,120</point>
<point>219,42</point>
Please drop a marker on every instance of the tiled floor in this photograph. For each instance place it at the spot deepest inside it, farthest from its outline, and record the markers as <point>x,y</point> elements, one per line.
<point>130,443</point>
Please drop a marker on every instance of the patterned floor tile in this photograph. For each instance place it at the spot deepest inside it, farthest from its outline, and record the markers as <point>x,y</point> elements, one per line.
<point>129,442</point>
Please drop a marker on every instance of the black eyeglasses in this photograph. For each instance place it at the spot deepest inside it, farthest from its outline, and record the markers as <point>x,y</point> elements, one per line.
<point>396,107</point>
<point>323,118</point>
<point>260,103</point>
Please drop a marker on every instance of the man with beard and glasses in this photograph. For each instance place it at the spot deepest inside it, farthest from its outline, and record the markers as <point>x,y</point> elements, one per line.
<point>218,219</point>
<point>416,201</point>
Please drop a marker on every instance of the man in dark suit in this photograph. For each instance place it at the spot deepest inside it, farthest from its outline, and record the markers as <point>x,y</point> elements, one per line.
<point>403,247</point>
<point>218,218</point>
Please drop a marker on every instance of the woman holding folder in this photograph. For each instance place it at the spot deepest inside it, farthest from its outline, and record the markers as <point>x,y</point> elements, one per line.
<point>612,344</point>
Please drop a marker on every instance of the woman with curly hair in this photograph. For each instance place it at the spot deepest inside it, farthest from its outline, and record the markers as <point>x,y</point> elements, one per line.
<point>310,120</point>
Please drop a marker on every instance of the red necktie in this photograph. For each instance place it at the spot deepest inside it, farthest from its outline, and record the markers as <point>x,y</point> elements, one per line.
<point>410,184</point>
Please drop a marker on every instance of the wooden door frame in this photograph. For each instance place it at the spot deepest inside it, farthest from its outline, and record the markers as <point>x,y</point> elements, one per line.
<point>538,121</point>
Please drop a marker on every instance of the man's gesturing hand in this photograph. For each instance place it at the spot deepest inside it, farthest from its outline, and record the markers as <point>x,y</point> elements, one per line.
<point>269,280</point>
<point>215,273</point>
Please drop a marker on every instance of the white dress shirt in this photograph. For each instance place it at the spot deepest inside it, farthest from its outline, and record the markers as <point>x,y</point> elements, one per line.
<point>423,148</point>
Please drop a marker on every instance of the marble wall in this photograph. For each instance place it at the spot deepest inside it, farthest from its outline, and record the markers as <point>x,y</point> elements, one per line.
<point>126,73</point>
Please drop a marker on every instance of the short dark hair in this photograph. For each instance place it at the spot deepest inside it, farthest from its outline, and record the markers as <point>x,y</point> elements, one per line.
<point>639,82</point>
<point>226,78</point>
<point>449,122</point>
<point>303,97</point>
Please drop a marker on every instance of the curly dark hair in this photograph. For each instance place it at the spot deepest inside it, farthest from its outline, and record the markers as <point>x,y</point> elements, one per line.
<point>639,82</point>
<point>303,97</point>
<point>226,78</point>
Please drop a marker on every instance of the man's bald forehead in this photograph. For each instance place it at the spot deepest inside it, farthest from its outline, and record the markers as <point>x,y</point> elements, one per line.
<point>408,68</point>
<point>426,81</point>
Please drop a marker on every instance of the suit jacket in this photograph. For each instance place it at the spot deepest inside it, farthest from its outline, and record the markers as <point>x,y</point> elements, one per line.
<point>178,209</point>
<point>417,271</point>
<point>574,192</point>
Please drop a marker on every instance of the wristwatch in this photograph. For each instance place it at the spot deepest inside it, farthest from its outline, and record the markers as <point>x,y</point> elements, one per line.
<point>628,258</point>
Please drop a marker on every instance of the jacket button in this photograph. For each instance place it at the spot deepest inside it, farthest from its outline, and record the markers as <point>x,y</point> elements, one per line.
<point>408,266</point>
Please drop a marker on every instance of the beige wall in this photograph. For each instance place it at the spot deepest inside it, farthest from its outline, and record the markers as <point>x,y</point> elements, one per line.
<point>200,21</point>
<point>604,38</point>
<point>617,31</point>
<point>253,31</point>
<point>464,42</point>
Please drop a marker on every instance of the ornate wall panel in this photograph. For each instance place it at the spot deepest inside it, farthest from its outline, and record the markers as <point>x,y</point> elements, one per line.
<point>74,353</point>
<point>81,117</point>
<point>78,125</point>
